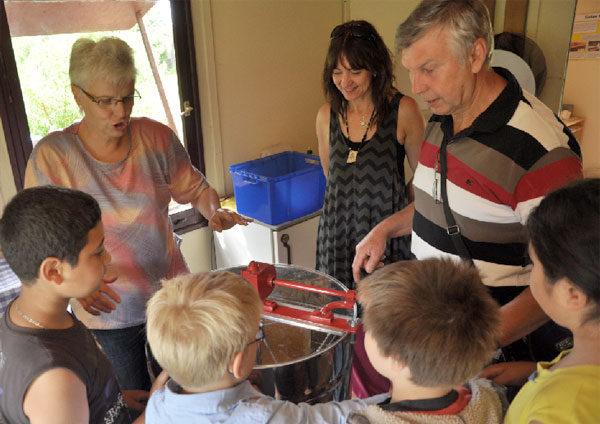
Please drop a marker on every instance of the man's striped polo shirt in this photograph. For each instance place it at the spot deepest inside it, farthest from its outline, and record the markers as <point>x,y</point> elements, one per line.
<point>498,170</point>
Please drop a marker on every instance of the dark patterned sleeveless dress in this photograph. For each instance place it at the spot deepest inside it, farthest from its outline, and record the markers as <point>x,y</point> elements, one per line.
<point>360,195</point>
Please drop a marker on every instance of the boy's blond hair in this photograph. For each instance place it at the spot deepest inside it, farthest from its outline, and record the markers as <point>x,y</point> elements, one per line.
<point>435,314</point>
<point>198,322</point>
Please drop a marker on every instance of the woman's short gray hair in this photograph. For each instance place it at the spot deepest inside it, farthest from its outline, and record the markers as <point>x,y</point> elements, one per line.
<point>110,59</point>
<point>466,20</point>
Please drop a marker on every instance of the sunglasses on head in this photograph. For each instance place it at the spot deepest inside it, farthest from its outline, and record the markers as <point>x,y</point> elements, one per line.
<point>352,30</point>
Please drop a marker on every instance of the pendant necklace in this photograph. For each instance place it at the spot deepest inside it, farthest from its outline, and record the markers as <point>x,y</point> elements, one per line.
<point>352,154</point>
<point>27,318</point>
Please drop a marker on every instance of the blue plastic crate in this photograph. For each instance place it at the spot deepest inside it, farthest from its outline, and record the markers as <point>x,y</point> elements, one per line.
<point>279,188</point>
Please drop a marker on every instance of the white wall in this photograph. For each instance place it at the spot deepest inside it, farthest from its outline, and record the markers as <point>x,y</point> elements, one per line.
<point>197,249</point>
<point>259,69</point>
<point>261,64</point>
<point>582,90</point>
<point>548,26</point>
<point>386,15</point>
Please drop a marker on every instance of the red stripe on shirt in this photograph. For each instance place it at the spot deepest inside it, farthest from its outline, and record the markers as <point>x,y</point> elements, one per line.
<point>533,184</point>
<point>468,179</point>
<point>539,182</point>
<point>465,177</point>
<point>428,154</point>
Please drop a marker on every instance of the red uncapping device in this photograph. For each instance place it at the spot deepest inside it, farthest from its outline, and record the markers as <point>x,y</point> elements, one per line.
<point>263,277</point>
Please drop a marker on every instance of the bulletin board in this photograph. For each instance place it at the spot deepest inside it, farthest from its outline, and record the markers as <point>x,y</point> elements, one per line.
<point>585,41</point>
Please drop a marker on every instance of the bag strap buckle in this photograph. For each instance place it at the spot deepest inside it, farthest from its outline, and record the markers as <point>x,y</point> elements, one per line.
<point>453,230</point>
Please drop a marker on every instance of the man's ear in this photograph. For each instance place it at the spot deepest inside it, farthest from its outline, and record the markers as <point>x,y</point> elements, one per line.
<point>236,365</point>
<point>478,55</point>
<point>51,270</point>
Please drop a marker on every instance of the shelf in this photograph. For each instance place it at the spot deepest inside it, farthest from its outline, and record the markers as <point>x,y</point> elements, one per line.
<point>575,124</point>
<point>573,121</point>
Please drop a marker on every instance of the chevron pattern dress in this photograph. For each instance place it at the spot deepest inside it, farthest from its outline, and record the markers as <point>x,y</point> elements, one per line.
<point>360,195</point>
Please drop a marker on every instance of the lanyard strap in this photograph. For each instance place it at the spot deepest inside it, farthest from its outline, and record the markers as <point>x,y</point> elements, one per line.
<point>453,229</point>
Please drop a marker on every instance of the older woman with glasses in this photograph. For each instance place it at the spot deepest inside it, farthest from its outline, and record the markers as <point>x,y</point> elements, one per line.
<point>365,130</point>
<point>133,167</point>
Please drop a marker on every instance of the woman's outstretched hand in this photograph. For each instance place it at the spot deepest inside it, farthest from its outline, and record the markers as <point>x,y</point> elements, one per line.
<point>224,219</point>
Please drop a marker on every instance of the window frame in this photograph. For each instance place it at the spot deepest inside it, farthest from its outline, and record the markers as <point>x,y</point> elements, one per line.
<point>12,108</point>
<point>14,118</point>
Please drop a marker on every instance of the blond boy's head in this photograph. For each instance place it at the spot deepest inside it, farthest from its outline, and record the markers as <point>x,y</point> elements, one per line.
<point>435,315</point>
<point>198,322</point>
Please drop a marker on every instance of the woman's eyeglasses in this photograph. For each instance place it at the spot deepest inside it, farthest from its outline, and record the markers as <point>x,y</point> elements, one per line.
<point>352,30</point>
<point>107,102</point>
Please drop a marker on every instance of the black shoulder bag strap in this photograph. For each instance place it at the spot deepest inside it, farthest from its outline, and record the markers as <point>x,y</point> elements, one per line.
<point>453,230</point>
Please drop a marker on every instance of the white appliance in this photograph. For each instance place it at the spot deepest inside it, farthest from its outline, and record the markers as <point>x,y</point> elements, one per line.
<point>293,242</point>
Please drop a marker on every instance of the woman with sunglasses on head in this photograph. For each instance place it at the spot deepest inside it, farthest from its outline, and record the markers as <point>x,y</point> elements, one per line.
<point>564,246</point>
<point>365,131</point>
<point>133,167</point>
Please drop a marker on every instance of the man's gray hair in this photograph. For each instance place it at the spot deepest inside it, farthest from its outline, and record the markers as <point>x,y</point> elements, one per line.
<point>466,20</point>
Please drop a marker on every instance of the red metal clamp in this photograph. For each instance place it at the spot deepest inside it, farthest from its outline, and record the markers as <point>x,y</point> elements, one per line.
<point>262,277</point>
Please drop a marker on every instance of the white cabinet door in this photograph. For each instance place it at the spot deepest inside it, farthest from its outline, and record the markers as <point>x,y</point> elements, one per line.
<point>258,242</point>
<point>241,244</point>
<point>302,242</point>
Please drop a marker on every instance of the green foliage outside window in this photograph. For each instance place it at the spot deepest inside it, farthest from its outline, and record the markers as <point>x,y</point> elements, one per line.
<point>43,66</point>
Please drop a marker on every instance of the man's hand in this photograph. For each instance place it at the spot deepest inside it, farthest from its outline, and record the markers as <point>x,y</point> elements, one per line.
<point>224,219</point>
<point>101,300</point>
<point>369,253</point>
<point>521,316</point>
<point>509,373</point>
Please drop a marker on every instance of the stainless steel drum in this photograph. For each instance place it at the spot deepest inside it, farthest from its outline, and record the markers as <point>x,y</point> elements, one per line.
<point>300,360</point>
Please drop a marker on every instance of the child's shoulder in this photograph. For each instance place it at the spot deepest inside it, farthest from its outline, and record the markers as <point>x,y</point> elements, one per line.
<point>20,348</point>
<point>573,381</point>
<point>21,344</point>
<point>566,392</point>
<point>478,401</point>
<point>487,397</point>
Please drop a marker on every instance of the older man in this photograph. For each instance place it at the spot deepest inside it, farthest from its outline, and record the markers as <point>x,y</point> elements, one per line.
<point>503,150</point>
